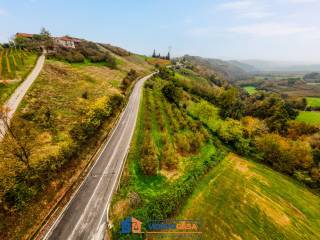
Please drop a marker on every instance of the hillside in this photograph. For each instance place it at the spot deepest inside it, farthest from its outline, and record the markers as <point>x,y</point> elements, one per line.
<point>65,115</point>
<point>186,127</point>
<point>241,199</point>
<point>313,77</point>
<point>244,66</point>
<point>227,70</point>
<point>282,66</point>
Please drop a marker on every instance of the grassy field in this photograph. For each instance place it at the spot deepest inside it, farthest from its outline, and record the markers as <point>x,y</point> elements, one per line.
<point>250,89</point>
<point>240,199</point>
<point>313,102</point>
<point>309,117</point>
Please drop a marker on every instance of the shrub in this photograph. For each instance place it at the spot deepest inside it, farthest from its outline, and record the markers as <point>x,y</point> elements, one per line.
<point>131,76</point>
<point>19,195</point>
<point>94,118</point>
<point>172,93</point>
<point>169,158</point>
<point>149,162</point>
<point>182,143</point>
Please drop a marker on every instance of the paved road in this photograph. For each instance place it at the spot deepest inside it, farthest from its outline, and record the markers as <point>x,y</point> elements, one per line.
<point>13,102</point>
<point>85,216</point>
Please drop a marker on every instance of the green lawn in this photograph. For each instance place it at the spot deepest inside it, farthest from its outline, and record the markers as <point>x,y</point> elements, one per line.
<point>240,199</point>
<point>250,89</point>
<point>313,101</point>
<point>309,117</point>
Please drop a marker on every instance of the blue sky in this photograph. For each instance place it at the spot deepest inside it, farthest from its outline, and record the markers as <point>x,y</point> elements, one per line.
<point>228,29</point>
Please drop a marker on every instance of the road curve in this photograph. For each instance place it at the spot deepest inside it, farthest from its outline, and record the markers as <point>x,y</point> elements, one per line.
<point>85,216</point>
<point>15,99</point>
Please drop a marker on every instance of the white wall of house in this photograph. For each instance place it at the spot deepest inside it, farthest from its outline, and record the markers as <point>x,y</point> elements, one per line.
<point>69,44</point>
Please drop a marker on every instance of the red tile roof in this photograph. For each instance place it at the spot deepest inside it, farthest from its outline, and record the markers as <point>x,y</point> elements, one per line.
<point>24,35</point>
<point>69,39</point>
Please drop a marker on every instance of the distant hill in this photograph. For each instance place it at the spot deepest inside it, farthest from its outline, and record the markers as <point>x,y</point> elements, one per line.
<point>312,77</point>
<point>278,66</point>
<point>231,71</point>
<point>244,66</point>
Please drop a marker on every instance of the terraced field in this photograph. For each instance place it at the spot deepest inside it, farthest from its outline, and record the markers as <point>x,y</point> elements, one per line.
<point>240,199</point>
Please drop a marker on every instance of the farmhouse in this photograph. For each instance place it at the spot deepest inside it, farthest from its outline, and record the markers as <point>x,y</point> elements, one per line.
<point>66,41</point>
<point>24,35</point>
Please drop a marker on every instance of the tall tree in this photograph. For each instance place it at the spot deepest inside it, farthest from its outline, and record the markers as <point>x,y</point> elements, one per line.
<point>45,32</point>
<point>168,56</point>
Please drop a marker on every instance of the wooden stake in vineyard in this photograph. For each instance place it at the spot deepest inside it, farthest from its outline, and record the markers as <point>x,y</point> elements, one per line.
<point>8,64</point>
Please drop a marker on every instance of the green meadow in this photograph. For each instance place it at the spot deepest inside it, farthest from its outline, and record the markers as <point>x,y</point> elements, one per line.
<point>240,199</point>
<point>309,117</point>
<point>250,89</point>
<point>313,101</point>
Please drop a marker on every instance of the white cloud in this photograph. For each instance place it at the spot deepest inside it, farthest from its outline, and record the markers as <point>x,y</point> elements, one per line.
<point>247,8</point>
<point>273,29</point>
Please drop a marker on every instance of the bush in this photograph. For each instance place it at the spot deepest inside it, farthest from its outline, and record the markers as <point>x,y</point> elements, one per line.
<point>66,54</point>
<point>182,143</point>
<point>172,93</point>
<point>169,158</point>
<point>149,162</point>
<point>94,118</point>
<point>19,195</point>
<point>131,76</point>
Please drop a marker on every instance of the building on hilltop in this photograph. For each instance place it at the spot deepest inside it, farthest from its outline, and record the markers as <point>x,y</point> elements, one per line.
<point>24,35</point>
<point>65,41</point>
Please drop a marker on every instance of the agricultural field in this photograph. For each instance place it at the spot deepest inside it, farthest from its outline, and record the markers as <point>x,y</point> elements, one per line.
<point>68,111</point>
<point>313,102</point>
<point>241,199</point>
<point>15,66</point>
<point>250,89</point>
<point>311,117</point>
<point>168,146</point>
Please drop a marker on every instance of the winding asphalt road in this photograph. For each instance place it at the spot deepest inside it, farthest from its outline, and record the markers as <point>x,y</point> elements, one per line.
<point>86,215</point>
<point>13,102</point>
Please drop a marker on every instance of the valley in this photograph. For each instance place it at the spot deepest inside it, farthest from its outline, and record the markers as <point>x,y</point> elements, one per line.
<point>103,140</point>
